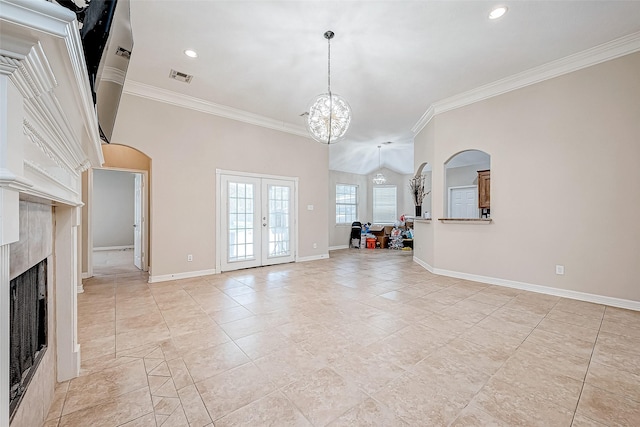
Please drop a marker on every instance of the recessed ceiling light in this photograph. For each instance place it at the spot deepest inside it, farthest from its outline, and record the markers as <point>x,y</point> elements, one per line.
<point>498,12</point>
<point>191,53</point>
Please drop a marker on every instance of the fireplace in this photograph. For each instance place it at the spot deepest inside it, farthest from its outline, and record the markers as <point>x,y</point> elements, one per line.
<point>28,328</point>
<point>49,137</point>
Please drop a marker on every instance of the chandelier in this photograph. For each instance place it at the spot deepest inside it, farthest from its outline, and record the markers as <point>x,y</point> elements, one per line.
<point>329,114</point>
<point>379,179</point>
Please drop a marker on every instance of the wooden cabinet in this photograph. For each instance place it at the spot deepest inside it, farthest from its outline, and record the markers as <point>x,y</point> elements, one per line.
<point>484,189</point>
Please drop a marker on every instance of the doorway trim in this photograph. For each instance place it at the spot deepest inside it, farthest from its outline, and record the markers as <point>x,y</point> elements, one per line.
<point>145,215</point>
<point>219,206</point>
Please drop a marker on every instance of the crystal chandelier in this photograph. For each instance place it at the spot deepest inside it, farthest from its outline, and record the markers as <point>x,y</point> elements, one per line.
<point>329,114</point>
<point>379,179</point>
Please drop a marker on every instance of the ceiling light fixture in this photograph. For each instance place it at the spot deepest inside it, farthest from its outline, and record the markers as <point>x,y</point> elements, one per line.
<point>379,179</point>
<point>329,114</point>
<point>191,53</point>
<point>498,12</point>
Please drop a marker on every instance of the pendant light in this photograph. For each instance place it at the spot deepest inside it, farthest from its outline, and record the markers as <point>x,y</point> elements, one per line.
<point>329,114</point>
<point>379,179</point>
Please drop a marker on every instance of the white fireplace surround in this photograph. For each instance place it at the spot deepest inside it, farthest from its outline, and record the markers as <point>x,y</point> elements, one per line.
<point>48,137</point>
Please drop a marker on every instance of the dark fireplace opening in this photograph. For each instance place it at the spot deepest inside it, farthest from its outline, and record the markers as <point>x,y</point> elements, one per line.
<point>28,328</point>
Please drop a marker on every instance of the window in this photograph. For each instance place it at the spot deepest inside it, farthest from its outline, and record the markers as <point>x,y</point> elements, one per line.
<point>346,203</point>
<point>385,205</point>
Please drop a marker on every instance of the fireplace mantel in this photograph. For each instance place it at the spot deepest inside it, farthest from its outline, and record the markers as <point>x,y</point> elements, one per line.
<point>48,137</point>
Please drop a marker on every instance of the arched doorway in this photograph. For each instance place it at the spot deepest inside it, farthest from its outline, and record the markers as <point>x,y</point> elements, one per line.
<point>122,163</point>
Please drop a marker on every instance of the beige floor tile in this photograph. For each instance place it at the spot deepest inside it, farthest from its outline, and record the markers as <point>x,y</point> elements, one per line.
<point>59,395</point>
<point>610,355</point>
<point>147,420</point>
<point>614,380</point>
<point>361,338</point>
<point>420,402</point>
<point>614,326</point>
<point>400,351</point>
<point>231,390</point>
<point>608,408</point>
<point>369,413</point>
<point>483,359</point>
<point>580,420</point>
<point>193,406</point>
<point>537,381</point>
<point>499,342</point>
<point>514,406</point>
<point>562,343</point>
<point>141,336</point>
<point>582,308</point>
<point>592,321</point>
<point>124,408</point>
<point>323,396</point>
<point>446,372</point>
<point>201,339</point>
<point>288,365</point>
<point>229,314</point>
<point>91,390</point>
<point>244,327</point>
<point>212,361</point>
<point>262,343</point>
<point>271,410</point>
<point>568,329</point>
<point>368,371</point>
<point>98,347</point>
<point>471,416</point>
<point>509,313</point>
<point>553,361</point>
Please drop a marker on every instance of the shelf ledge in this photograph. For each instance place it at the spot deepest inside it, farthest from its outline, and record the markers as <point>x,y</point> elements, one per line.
<point>427,220</point>
<point>467,220</point>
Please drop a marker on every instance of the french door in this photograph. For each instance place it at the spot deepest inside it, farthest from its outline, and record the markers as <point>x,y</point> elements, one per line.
<point>256,221</point>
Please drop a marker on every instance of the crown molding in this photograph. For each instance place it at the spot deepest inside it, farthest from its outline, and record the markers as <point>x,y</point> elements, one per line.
<point>113,75</point>
<point>133,87</point>
<point>587,58</point>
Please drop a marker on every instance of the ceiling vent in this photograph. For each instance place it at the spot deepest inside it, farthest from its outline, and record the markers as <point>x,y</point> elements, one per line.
<point>181,77</point>
<point>123,52</point>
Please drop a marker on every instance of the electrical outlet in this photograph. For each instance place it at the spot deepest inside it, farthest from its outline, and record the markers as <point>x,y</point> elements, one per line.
<point>560,269</point>
<point>189,257</point>
<point>315,245</point>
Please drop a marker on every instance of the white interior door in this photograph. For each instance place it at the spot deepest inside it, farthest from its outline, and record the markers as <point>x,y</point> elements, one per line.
<point>463,202</point>
<point>137,221</point>
<point>256,222</point>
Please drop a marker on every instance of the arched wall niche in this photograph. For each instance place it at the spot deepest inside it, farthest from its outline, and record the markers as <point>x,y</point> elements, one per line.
<point>466,185</point>
<point>425,172</point>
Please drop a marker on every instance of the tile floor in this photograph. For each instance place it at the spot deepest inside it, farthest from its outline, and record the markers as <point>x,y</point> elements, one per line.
<point>363,338</point>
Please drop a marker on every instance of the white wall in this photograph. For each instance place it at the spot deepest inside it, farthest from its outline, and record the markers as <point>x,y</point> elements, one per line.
<point>186,147</point>
<point>564,183</point>
<point>113,204</point>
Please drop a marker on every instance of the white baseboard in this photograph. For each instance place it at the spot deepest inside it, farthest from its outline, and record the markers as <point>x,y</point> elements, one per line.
<point>312,258</point>
<point>111,248</point>
<point>336,248</point>
<point>85,275</point>
<point>564,293</point>
<point>178,276</point>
